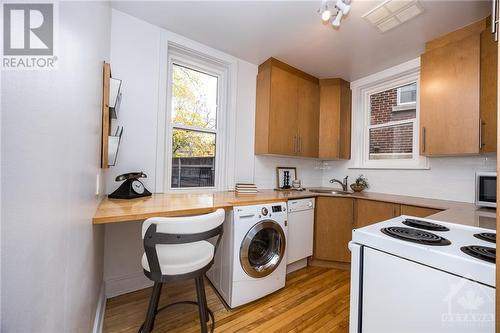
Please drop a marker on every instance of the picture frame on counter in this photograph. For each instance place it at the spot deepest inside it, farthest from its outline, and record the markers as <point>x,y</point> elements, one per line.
<point>281,179</point>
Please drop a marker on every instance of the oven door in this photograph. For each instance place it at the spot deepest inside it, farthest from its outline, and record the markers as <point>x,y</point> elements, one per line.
<point>486,189</point>
<point>398,295</point>
<point>262,249</point>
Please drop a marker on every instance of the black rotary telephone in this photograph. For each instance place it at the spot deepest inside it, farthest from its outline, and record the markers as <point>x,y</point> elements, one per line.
<point>131,188</point>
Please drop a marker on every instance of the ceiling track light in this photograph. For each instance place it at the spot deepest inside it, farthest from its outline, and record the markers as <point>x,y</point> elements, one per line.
<point>339,9</point>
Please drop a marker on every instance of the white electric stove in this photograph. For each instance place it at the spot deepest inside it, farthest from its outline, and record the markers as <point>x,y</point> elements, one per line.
<point>411,274</point>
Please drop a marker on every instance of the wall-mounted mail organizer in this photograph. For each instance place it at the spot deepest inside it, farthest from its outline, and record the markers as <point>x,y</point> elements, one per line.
<point>111,98</point>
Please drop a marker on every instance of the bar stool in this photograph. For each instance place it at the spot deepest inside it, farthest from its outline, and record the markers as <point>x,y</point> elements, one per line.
<point>177,248</point>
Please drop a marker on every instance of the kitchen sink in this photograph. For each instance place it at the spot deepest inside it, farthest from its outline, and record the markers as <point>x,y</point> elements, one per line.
<point>328,191</point>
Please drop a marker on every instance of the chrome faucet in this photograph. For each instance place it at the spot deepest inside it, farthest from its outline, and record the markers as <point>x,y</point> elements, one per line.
<point>342,183</point>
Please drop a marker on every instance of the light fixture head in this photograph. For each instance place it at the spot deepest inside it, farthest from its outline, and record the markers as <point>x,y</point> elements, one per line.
<point>325,16</point>
<point>342,6</point>
<point>337,20</point>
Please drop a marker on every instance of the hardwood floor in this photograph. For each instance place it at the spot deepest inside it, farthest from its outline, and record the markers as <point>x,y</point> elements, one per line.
<point>315,299</point>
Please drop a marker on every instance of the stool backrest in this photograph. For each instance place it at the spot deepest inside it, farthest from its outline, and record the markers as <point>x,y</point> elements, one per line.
<point>184,225</point>
<point>179,230</point>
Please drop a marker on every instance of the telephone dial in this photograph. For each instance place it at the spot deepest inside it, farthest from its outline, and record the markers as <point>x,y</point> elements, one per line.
<point>131,188</point>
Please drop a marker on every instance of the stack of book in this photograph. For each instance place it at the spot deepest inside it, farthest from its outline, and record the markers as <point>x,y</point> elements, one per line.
<point>245,188</point>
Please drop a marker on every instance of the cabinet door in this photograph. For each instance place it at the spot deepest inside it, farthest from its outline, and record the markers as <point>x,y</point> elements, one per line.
<point>369,212</point>
<point>335,119</point>
<point>489,79</point>
<point>418,211</point>
<point>308,117</point>
<point>283,138</point>
<point>333,228</point>
<point>449,98</point>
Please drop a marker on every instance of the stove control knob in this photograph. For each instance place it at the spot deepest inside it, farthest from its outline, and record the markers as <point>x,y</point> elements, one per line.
<point>264,211</point>
<point>309,204</point>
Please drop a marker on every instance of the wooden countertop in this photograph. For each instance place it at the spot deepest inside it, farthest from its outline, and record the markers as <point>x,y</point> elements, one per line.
<point>178,204</point>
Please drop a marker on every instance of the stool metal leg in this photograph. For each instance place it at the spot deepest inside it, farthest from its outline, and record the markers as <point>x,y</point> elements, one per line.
<point>156,307</point>
<point>204,295</point>
<point>202,307</point>
<point>153,306</point>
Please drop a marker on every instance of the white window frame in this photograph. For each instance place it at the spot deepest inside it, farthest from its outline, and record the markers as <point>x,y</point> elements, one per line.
<point>399,103</point>
<point>197,56</point>
<point>210,69</point>
<point>362,90</point>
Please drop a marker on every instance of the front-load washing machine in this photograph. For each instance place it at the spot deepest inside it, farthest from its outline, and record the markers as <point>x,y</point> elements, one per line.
<point>251,260</point>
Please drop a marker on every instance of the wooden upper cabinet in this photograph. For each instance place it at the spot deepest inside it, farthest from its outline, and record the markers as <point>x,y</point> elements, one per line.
<point>333,228</point>
<point>308,118</point>
<point>449,98</point>
<point>283,116</point>
<point>287,108</point>
<point>368,212</point>
<point>458,93</point>
<point>334,119</point>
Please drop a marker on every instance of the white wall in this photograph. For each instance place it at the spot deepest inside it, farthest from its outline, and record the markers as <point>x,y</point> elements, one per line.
<point>51,120</point>
<point>449,178</point>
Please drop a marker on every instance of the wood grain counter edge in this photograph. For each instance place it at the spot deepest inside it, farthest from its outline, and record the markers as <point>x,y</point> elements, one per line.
<point>166,204</point>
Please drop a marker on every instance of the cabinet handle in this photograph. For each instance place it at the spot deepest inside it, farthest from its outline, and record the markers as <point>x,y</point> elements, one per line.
<point>294,144</point>
<point>300,143</point>
<point>494,20</point>
<point>481,143</point>
<point>423,139</point>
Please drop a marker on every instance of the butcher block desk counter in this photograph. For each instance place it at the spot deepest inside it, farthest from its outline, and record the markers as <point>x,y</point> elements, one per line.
<point>179,204</point>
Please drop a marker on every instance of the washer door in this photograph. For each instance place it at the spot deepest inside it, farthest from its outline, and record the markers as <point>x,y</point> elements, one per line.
<point>262,249</point>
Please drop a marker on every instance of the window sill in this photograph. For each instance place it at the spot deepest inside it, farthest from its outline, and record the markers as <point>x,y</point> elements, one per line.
<point>404,107</point>
<point>390,168</point>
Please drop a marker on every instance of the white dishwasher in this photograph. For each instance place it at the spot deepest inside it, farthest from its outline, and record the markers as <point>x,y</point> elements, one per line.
<point>300,229</point>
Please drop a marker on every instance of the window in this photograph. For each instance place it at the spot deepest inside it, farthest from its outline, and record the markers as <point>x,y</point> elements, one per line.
<point>386,119</point>
<point>407,94</point>
<point>195,124</point>
<point>390,131</point>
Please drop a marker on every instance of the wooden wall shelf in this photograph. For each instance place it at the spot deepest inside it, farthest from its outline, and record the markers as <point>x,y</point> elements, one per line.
<point>106,118</point>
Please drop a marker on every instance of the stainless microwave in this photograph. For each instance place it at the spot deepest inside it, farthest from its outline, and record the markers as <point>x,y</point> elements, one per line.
<point>486,189</point>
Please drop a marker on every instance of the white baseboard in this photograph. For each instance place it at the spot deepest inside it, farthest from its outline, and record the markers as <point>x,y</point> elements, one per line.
<point>127,283</point>
<point>99,311</point>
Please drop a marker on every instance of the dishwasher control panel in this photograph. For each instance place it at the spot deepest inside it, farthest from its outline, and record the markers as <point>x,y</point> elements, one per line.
<point>300,205</point>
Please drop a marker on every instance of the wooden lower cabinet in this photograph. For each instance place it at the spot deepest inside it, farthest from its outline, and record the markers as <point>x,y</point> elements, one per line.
<point>368,212</point>
<point>335,218</point>
<point>418,211</point>
<point>333,228</point>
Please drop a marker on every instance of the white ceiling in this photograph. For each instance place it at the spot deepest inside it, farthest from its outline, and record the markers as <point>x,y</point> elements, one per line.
<point>292,31</point>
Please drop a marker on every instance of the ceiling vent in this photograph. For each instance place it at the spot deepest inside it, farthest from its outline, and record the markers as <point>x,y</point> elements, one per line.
<point>392,13</point>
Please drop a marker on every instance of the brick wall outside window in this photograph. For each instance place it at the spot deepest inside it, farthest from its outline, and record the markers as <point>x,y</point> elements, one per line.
<point>393,139</point>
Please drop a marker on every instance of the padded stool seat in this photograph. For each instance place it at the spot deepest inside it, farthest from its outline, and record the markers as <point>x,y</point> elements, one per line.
<point>176,259</point>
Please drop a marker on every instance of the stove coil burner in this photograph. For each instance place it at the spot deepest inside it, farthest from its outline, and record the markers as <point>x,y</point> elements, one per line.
<point>487,236</point>
<point>415,236</point>
<point>425,225</point>
<point>480,252</point>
